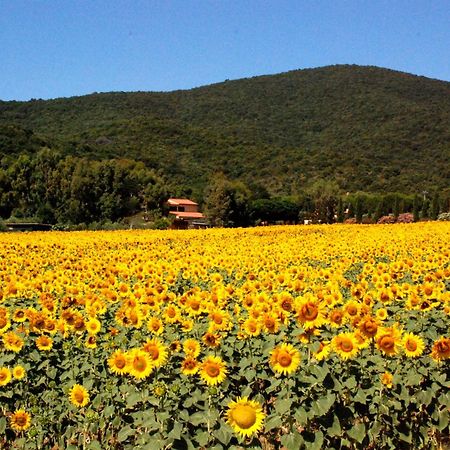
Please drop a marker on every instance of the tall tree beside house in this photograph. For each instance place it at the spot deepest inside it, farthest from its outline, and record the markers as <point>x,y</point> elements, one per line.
<point>340,211</point>
<point>416,208</point>
<point>325,195</point>
<point>435,207</point>
<point>227,202</point>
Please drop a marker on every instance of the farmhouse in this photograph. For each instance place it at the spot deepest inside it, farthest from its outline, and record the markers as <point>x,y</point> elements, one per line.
<point>185,213</point>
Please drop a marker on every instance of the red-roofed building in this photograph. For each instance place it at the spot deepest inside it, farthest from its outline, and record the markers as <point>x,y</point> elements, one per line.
<point>185,214</point>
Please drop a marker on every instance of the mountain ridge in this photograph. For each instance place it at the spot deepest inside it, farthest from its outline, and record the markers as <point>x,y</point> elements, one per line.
<point>369,128</point>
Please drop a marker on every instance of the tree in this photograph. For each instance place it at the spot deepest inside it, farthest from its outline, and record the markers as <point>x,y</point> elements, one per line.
<point>340,211</point>
<point>227,202</point>
<point>324,194</point>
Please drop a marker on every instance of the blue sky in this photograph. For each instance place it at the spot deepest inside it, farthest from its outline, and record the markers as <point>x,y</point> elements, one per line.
<point>61,48</point>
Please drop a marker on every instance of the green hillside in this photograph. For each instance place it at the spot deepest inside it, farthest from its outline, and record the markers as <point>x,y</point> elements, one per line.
<point>368,128</point>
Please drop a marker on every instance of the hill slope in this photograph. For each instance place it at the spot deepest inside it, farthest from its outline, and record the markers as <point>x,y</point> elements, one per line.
<point>369,128</point>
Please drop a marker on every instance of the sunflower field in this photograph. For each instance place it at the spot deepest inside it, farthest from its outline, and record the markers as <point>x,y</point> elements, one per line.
<point>333,337</point>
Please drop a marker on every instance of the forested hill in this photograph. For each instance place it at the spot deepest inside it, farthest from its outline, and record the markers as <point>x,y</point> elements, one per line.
<point>368,128</point>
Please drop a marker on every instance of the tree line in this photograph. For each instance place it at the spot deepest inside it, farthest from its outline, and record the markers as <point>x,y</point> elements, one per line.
<point>48,187</point>
<point>232,203</point>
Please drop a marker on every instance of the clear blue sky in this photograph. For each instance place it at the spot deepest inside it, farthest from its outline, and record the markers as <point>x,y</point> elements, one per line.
<point>60,48</point>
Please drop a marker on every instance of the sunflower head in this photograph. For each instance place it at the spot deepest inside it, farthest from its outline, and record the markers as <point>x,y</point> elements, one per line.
<point>285,359</point>
<point>213,370</point>
<point>345,345</point>
<point>78,396</point>
<point>117,362</point>
<point>245,416</point>
<point>441,349</point>
<point>20,420</point>
<point>413,345</point>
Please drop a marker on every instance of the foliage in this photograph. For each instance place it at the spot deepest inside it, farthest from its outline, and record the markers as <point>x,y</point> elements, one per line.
<point>331,336</point>
<point>56,189</point>
<point>367,128</point>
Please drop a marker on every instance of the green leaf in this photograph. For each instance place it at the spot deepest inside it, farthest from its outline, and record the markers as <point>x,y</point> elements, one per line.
<point>283,405</point>
<point>202,438</point>
<point>175,433</point>
<point>125,433</point>
<point>272,422</point>
<point>292,441</point>
<point>335,429</point>
<point>443,419</point>
<point>94,445</point>
<point>133,399</point>
<point>197,418</point>
<point>323,405</point>
<point>301,416</point>
<point>223,434</point>
<point>2,424</point>
<point>358,432</point>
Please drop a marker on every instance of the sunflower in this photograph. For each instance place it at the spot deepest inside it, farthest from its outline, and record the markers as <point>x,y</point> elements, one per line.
<point>117,362</point>
<point>211,339</point>
<point>284,359</point>
<point>386,379</point>
<point>368,326</point>
<point>413,345</point>
<point>252,327</point>
<point>5,376</point>
<point>245,416</point>
<point>270,323</point>
<point>345,345</point>
<point>12,341</point>
<point>93,326</point>
<point>213,370</point>
<point>139,363</point>
<point>323,352</point>
<point>310,313</point>
<point>78,396</point>
<point>191,347</point>
<point>155,325</point>
<point>19,315</point>
<point>388,339</point>
<point>156,350</point>
<point>381,314</point>
<point>20,420</point>
<point>441,349</point>
<point>18,372</point>
<point>336,317</point>
<point>44,343</point>
<point>189,366</point>
<point>91,342</point>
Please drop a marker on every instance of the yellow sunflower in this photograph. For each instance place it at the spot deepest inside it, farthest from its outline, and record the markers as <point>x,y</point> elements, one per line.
<point>386,379</point>
<point>245,416</point>
<point>413,345</point>
<point>155,325</point>
<point>191,347</point>
<point>284,359</point>
<point>345,345</point>
<point>441,349</point>
<point>12,342</point>
<point>310,313</point>
<point>213,370</point>
<point>18,372</point>
<point>388,340</point>
<point>139,363</point>
<point>156,350</point>
<point>78,396</point>
<point>93,325</point>
<point>189,366</point>
<point>20,420</point>
<point>91,342</point>
<point>117,362</point>
<point>5,376</point>
<point>44,343</point>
